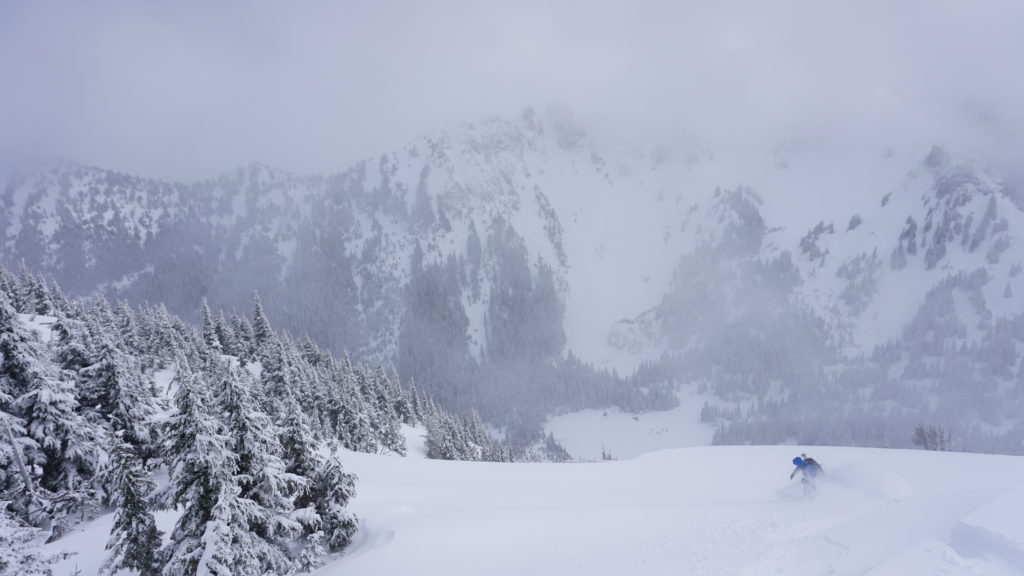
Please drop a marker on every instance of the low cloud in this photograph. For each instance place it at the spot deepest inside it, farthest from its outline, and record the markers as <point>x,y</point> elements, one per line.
<point>190,89</point>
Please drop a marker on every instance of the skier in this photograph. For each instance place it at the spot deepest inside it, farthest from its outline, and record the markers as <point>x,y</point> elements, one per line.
<point>810,469</point>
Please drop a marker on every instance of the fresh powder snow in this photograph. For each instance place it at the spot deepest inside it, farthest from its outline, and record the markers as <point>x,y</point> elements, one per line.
<point>702,510</point>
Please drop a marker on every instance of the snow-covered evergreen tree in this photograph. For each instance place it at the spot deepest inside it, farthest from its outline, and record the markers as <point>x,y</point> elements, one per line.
<point>244,338</point>
<point>263,337</point>
<point>100,319</point>
<point>39,398</point>
<point>48,408</point>
<point>115,390</point>
<point>127,330</point>
<point>225,336</point>
<point>71,342</point>
<point>259,471</point>
<point>211,338</point>
<point>229,545</point>
<point>8,285</point>
<point>375,388</point>
<point>331,488</point>
<point>134,539</point>
<point>159,337</point>
<point>279,376</point>
<point>63,305</point>
<point>38,295</point>
<point>202,466</point>
<point>327,491</point>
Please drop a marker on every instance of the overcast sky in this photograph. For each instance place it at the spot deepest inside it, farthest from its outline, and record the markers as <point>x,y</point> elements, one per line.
<point>190,89</point>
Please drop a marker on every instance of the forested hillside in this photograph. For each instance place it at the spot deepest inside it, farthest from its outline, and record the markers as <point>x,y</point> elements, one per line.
<point>235,426</point>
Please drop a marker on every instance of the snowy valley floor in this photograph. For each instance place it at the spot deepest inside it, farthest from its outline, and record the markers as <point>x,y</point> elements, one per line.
<point>710,510</point>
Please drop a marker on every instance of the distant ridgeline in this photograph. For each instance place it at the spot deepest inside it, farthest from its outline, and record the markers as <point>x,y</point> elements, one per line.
<point>523,268</point>
<point>737,322</point>
<point>394,271</point>
<point>246,424</point>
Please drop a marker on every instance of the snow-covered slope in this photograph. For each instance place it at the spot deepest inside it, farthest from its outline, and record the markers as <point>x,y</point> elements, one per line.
<point>591,435</point>
<point>702,511</point>
<point>866,275</point>
<point>613,221</point>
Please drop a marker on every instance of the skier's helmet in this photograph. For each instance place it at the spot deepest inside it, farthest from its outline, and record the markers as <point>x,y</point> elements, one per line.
<point>798,461</point>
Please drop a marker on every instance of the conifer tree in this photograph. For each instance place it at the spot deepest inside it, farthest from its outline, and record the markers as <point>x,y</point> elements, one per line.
<point>134,539</point>
<point>312,353</point>
<point>388,421</point>
<point>328,487</point>
<point>413,400</point>
<point>163,340</point>
<point>298,447</point>
<point>230,548</point>
<point>210,337</point>
<point>401,405</point>
<point>100,320</point>
<point>260,472</point>
<point>18,448</point>
<point>48,408</point>
<point>40,399</point>
<point>39,297</point>
<point>71,344</point>
<point>202,465</point>
<point>223,542</point>
<point>442,438</point>
<point>331,489</point>
<point>226,336</point>
<point>356,430</point>
<point>60,301</point>
<point>13,370</point>
<point>114,388</point>
<point>13,458</point>
<point>8,285</point>
<point>244,338</point>
<point>127,329</point>
<point>279,376</point>
<point>22,297</point>
<point>263,335</point>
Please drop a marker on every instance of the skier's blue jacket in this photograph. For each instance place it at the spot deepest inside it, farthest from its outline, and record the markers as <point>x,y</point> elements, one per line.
<point>806,465</point>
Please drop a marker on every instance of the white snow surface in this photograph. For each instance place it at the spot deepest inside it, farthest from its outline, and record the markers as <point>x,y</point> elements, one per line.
<point>40,325</point>
<point>415,440</point>
<point>588,434</point>
<point>706,510</point>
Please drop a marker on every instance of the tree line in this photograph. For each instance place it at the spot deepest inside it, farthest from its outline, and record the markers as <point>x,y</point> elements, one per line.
<point>246,423</point>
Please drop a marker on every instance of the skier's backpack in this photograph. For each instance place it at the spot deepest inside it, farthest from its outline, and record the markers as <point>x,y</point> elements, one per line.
<point>812,466</point>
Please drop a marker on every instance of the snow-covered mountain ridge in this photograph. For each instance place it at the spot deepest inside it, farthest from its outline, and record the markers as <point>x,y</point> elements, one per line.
<point>614,222</point>
<point>654,252</point>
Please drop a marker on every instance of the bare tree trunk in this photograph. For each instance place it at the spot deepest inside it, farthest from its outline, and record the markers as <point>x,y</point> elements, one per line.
<point>21,463</point>
<point>43,520</point>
